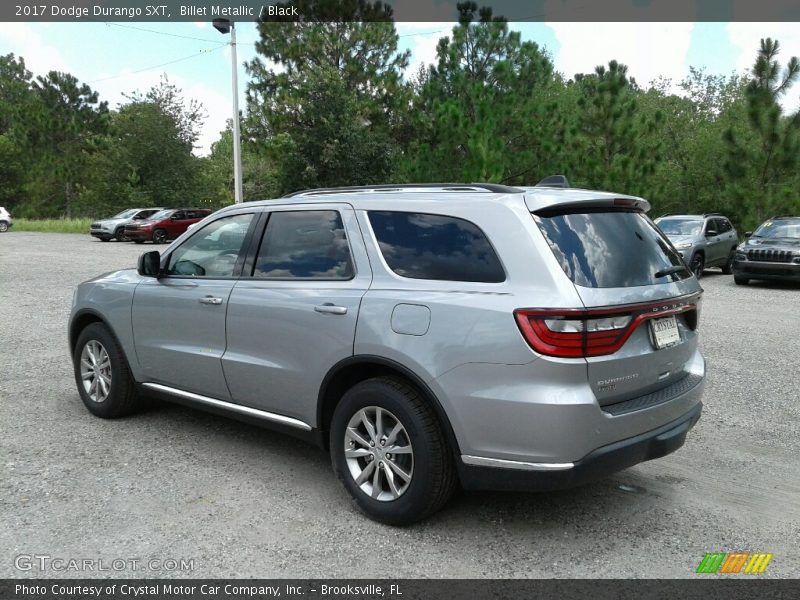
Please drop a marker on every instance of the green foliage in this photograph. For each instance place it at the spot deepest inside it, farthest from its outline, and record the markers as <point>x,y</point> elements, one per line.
<point>52,225</point>
<point>327,105</point>
<point>324,95</point>
<point>486,111</point>
<point>762,162</point>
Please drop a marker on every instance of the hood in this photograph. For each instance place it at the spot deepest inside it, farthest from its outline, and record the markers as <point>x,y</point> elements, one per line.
<point>122,276</point>
<point>781,243</point>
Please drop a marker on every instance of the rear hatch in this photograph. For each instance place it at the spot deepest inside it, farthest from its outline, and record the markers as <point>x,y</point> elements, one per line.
<point>637,330</point>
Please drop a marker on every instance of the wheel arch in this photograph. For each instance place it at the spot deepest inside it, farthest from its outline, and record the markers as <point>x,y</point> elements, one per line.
<point>350,371</point>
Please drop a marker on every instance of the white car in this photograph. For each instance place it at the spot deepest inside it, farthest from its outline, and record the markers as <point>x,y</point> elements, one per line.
<point>5,220</point>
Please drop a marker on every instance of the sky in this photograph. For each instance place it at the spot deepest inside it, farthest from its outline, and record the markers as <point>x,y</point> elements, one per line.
<point>119,58</point>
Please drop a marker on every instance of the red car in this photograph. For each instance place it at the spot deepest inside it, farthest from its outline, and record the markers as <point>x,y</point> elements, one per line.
<point>165,225</point>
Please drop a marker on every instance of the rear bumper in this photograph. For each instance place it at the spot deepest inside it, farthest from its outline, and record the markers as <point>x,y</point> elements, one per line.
<point>599,463</point>
<point>752,269</point>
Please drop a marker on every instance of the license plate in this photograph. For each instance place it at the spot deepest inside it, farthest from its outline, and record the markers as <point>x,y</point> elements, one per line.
<point>665,331</point>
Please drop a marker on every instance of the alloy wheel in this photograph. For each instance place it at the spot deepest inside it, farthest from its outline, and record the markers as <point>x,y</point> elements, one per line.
<point>378,452</point>
<point>95,371</point>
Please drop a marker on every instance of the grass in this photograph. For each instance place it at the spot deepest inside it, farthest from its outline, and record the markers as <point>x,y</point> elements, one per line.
<point>52,225</point>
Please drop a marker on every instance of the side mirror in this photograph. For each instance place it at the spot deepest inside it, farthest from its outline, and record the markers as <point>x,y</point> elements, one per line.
<point>138,217</point>
<point>711,233</point>
<point>150,264</point>
<point>174,217</point>
<point>747,234</point>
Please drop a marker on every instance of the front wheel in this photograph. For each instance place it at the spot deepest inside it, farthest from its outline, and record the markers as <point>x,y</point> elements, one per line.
<point>389,450</point>
<point>119,235</point>
<point>104,380</point>
<point>727,268</point>
<point>698,265</point>
<point>159,236</point>
<point>3,226</point>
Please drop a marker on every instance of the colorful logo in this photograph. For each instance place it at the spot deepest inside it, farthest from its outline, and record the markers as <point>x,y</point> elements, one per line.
<point>734,562</point>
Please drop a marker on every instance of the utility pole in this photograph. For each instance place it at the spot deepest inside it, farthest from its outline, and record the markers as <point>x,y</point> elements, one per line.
<point>225,26</point>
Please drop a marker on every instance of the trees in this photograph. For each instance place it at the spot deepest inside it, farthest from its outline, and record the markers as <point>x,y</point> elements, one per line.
<point>323,96</point>
<point>613,143</point>
<point>486,111</point>
<point>764,173</point>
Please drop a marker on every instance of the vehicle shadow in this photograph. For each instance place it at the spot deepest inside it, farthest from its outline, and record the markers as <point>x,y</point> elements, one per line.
<point>611,498</point>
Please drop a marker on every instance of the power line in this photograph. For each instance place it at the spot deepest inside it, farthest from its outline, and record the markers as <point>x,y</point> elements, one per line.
<point>175,35</point>
<point>171,62</point>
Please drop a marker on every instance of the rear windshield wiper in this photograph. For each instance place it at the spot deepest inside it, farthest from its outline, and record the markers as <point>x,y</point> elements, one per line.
<point>669,271</point>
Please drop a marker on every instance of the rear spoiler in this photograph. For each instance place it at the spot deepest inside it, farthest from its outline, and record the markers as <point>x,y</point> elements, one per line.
<point>543,200</point>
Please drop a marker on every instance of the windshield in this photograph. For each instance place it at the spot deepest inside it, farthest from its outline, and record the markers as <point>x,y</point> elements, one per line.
<point>611,248</point>
<point>162,214</point>
<point>785,228</point>
<point>126,214</point>
<point>680,226</point>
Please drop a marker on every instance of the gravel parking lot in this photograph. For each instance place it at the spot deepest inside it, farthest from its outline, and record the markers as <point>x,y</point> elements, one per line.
<point>244,502</point>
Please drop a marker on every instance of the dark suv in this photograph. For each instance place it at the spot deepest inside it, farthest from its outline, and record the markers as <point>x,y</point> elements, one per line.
<point>771,252</point>
<point>703,241</point>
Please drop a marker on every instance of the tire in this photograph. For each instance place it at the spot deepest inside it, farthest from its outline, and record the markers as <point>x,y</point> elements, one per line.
<point>119,235</point>
<point>697,264</point>
<point>740,280</point>
<point>727,268</point>
<point>3,226</point>
<point>120,398</point>
<point>429,465</point>
<point>105,239</point>
<point>159,236</point>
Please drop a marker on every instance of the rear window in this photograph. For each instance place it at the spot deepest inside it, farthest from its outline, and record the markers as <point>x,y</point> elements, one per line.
<point>424,246</point>
<point>608,249</point>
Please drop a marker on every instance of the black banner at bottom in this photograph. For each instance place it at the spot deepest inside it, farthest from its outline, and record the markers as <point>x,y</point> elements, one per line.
<point>399,589</point>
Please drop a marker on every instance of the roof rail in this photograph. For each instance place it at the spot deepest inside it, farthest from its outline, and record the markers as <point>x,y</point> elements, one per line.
<point>715,214</point>
<point>400,187</point>
<point>554,181</point>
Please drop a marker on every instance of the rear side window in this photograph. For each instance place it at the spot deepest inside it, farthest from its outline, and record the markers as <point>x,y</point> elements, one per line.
<point>309,244</point>
<point>423,246</point>
<point>608,249</point>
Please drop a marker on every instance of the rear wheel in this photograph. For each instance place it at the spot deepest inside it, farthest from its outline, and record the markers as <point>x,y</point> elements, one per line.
<point>727,268</point>
<point>3,226</point>
<point>740,280</point>
<point>104,380</point>
<point>389,450</point>
<point>159,236</point>
<point>697,265</point>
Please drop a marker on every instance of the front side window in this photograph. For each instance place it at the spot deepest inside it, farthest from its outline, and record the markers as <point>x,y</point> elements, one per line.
<point>424,246</point>
<point>308,244</point>
<point>213,251</point>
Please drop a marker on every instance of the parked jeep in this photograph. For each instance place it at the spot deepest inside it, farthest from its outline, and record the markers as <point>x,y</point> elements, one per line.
<point>771,252</point>
<point>502,337</point>
<point>114,227</point>
<point>703,241</point>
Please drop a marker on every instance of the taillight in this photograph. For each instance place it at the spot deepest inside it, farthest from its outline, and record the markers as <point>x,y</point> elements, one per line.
<point>578,333</point>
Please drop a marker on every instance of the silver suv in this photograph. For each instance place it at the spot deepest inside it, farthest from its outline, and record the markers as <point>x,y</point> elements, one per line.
<point>425,335</point>
<point>114,227</point>
<point>5,220</point>
<point>703,241</point>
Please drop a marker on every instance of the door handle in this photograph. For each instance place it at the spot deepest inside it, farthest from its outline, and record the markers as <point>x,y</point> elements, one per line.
<point>330,309</point>
<point>211,300</point>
